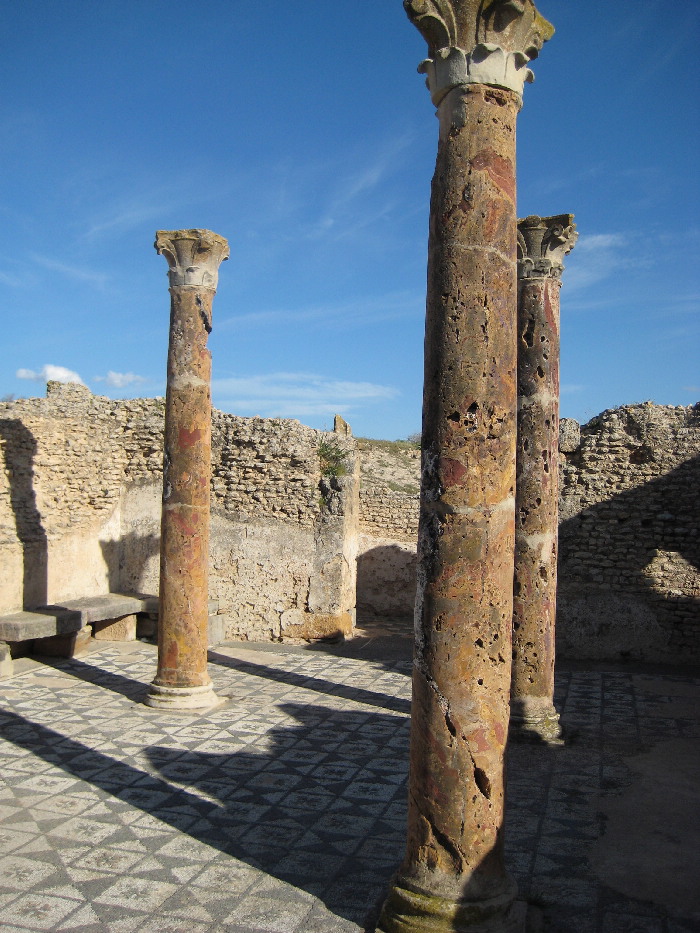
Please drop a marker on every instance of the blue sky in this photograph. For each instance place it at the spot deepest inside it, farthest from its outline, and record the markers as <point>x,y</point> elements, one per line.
<point>303,134</point>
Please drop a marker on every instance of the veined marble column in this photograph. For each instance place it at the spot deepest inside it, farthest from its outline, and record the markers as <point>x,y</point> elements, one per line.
<point>542,244</point>
<point>182,680</point>
<point>453,877</point>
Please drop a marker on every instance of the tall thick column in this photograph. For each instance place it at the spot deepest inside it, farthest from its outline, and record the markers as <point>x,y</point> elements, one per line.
<point>542,244</point>
<point>182,681</point>
<point>453,877</point>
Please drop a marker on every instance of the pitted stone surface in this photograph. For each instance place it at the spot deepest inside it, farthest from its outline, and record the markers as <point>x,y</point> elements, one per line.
<point>542,244</point>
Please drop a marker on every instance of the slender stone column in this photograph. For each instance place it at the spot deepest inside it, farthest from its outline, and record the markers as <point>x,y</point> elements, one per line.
<point>453,877</point>
<point>542,244</point>
<point>182,681</point>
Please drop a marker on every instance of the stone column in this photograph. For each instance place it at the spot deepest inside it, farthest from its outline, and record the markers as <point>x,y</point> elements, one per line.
<point>453,877</point>
<point>182,680</point>
<point>542,244</point>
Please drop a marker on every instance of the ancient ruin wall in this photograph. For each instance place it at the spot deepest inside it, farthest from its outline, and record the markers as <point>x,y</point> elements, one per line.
<point>80,501</point>
<point>629,551</point>
<point>629,577</point>
<point>389,502</point>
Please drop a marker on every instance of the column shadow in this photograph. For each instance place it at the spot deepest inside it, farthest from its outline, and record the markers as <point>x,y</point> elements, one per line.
<point>322,808</point>
<point>327,687</point>
<point>20,448</point>
<point>126,559</point>
<point>127,687</point>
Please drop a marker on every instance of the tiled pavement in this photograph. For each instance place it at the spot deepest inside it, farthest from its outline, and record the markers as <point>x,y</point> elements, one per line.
<point>283,810</point>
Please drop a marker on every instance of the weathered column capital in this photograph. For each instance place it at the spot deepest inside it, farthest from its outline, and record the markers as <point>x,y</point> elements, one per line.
<point>478,42</point>
<point>194,256</point>
<point>542,244</point>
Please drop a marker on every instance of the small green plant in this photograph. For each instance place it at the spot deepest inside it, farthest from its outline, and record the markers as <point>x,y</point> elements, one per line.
<point>391,447</point>
<point>410,489</point>
<point>332,458</point>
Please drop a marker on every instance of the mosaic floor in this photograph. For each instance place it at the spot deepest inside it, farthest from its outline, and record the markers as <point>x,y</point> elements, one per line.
<point>283,810</point>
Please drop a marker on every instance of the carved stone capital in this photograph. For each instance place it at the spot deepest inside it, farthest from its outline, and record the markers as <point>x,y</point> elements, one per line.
<point>194,256</point>
<point>542,244</point>
<point>478,42</point>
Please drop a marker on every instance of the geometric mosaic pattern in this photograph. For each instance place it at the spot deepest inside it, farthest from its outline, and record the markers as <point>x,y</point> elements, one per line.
<point>282,811</point>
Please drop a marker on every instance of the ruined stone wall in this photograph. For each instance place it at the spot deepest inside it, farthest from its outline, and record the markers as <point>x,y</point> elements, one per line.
<point>386,564</point>
<point>629,577</point>
<point>80,498</point>
<point>389,503</point>
<point>629,547</point>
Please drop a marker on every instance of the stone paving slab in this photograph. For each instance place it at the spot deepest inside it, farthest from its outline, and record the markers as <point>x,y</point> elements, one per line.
<point>283,811</point>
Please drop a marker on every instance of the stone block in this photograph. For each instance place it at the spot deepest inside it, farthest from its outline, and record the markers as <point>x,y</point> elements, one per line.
<point>123,629</point>
<point>569,435</point>
<point>311,626</point>
<point>39,623</point>
<point>6,665</point>
<point>64,646</point>
<point>216,630</point>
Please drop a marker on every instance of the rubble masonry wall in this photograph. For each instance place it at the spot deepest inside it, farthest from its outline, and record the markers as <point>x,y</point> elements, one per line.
<point>80,503</point>
<point>629,545</point>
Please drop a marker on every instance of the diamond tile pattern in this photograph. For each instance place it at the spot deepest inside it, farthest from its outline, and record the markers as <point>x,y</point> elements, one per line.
<point>282,811</point>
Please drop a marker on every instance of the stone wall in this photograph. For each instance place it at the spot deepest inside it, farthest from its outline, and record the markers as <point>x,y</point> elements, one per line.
<point>80,497</point>
<point>629,547</point>
<point>629,577</point>
<point>80,515</point>
<point>389,501</point>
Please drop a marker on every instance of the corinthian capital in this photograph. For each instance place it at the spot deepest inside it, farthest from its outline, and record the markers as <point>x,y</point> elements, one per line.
<point>478,42</point>
<point>194,256</point>
<point>542,244</point>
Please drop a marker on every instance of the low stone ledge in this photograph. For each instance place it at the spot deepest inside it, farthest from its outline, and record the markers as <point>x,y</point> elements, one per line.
<point>40,623</point>
<point>72,615</point>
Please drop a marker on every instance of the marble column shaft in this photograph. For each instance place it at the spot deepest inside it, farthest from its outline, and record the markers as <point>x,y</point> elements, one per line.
<point>542,244</point>
<point>182,680</point>
<point>453,876</point>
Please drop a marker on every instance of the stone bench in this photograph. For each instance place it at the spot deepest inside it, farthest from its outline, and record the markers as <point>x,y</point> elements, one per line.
<point>64,629</point>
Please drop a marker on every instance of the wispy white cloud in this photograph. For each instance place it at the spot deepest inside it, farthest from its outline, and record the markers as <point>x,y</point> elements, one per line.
<point>50,373</point>
<point>14,281</point>
<point>350,199</point>
<point>146,203</point>
<point>120,218</point>
<point>293,395</point>
<point>571,388</point>
<point>691,388</point>
<point>119,380</point>
<point>359,310</point>
<point>346,211</point>
<point>80,273</point>
<point>596,257</point>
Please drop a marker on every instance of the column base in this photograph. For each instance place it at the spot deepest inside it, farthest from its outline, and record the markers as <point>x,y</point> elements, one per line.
<point>182,698</point>
<point>534,720</point>
<point>406,911</point>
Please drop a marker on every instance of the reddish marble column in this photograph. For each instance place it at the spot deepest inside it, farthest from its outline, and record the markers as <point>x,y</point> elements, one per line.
<point>453,876</point>
<point>542,244</point>
<point>182,680</point>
